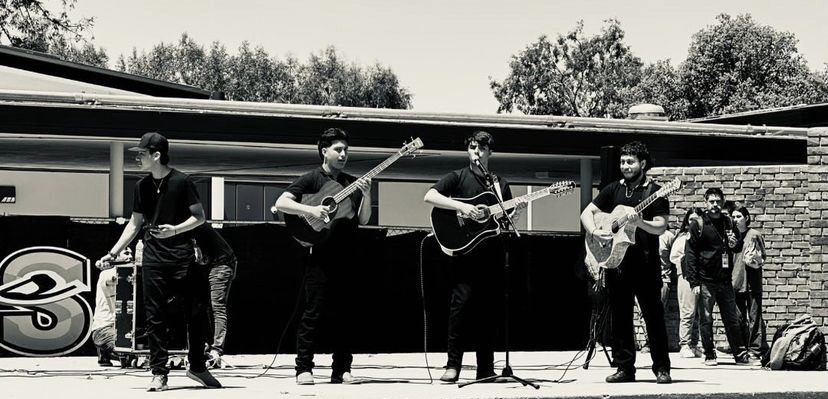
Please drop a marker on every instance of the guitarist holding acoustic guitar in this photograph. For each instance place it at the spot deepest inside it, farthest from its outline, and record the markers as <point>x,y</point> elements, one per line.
<point>639,272</point>
<point>474,273</point>
<point>326,279</point>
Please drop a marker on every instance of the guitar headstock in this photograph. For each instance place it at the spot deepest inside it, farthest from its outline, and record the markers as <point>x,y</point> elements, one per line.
<point>561,187</point>
<point>411,147</point>
<point>668,188</point>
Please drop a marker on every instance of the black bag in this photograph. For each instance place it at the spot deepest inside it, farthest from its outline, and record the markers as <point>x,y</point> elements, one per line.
<point>798,345</point>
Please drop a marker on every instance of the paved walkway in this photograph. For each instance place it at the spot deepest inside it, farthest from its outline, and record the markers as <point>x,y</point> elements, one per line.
<point>401,376</point>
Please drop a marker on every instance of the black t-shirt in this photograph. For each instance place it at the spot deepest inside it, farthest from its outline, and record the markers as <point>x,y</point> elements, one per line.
<point>311,183</point>
<point>177,192</point>
<point>616,193</point>
<point>213,245</point>
<point>463,183</point>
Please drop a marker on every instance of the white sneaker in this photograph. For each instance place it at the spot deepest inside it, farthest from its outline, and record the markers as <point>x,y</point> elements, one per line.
<point>687,352</point>
<point>158,383</point>
<point>304,378</point>
<point>345,378</point>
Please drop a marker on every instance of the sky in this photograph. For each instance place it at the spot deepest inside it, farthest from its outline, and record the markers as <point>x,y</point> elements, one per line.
<point>443,51</point>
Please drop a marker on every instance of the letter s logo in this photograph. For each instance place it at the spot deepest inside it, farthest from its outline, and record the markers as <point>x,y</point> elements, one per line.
<point>42,311</point>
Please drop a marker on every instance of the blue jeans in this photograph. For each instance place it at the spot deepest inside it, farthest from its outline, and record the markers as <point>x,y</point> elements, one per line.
<point>723,294</point>
<point>221,275</point>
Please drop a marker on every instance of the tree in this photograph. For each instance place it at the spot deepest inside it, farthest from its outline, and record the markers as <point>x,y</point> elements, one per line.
<point>739,65</point>
<point>31,25</point>
<point>575,75</point>
<point>253,75</point>
<point>661,84</point>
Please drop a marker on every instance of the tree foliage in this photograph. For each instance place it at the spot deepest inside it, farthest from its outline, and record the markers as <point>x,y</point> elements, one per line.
<point>735,65</point>
<point>661,84</point>
<point>574,75</point>
<point>253,75</point>
<point>32,25</point>
<point>739,65</point>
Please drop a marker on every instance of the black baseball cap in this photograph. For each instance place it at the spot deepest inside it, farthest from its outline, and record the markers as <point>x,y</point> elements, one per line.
<point>153,141</point>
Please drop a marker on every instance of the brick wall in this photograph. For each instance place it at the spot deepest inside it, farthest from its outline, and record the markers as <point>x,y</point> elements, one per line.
<point>818,224</point>
<point>778,199</point>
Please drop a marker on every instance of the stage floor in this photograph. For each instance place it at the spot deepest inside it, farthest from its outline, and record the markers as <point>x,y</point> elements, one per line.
<point>406,376</point>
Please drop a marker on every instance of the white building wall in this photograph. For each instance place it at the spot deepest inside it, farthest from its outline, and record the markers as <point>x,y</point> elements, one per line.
<point>57,193</point>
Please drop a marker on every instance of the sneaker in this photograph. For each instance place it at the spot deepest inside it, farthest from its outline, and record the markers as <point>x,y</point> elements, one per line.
<point>451,375</point>
<point>204,378</point>
<point>663,377</point>
<point>687,352</point>
<point>214,360</point>
<point>158,383</point>
<point>711,361</point>
<point>304,378</point>
<point>344,378</point>
<point>747,360</point>
<point>697,351</point>
<point>621,376</point>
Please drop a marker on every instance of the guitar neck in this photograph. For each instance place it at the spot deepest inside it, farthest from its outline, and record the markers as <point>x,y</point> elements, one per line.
<point>507,205</point>
<point>347,191</point>
<point>647,202</point>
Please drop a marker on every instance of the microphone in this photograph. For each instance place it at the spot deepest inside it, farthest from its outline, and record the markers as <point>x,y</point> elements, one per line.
<point>483,169</point>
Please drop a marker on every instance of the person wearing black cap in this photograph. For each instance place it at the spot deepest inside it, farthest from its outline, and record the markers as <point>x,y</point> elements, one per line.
<point>166,205</point>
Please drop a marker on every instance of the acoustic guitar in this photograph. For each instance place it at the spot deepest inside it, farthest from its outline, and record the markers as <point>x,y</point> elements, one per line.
<point>309,230</point>
<point>609,255</point>
<point>458,234</point>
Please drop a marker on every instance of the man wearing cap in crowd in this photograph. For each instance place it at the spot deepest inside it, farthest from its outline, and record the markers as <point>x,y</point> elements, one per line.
<point>166,205</point>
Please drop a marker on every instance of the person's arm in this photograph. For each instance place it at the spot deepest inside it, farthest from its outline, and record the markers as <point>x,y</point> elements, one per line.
<point>364,211</point>
<point>196,219</point>
<point>434,198</point>
<point>287,203</point>
<point>127,235</point>
<point>691,256</point>
<point>657,226</point>
<point>677,252</point>
<point>665,243</point>
<point>588,221</point>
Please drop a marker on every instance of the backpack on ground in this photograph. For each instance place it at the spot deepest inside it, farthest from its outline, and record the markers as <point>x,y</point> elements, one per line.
<point>798,345</point>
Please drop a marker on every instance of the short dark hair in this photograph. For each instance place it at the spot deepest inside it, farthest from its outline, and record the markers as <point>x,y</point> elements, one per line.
<point>329,136</point>
<point>744,212</point>
<point>714,190</point>
<point>638,150</point>
<point>481,137</point>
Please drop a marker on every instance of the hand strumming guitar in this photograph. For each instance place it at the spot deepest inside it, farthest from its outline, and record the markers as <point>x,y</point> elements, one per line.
<point>470,211</point>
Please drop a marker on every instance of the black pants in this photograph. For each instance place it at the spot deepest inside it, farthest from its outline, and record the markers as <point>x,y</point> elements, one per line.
<point>169,291</point>
<point>750,312</point>
<point>327,301</point>
<point>720,293</point>
<point>636,280</point>
<point>474,305</point>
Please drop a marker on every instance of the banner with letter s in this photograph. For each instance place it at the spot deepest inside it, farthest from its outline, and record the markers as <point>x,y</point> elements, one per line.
<point>42,312</point>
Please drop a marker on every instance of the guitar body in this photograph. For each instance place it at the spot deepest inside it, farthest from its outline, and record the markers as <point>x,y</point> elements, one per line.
<point>610,255</point>
<point>308,230</point>
<point>458,235</point>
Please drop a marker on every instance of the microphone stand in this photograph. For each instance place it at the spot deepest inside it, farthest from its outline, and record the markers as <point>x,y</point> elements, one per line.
<point>507,370</point>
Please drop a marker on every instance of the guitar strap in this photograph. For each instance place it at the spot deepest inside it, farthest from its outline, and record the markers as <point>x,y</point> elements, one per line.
<point>497,187</point>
